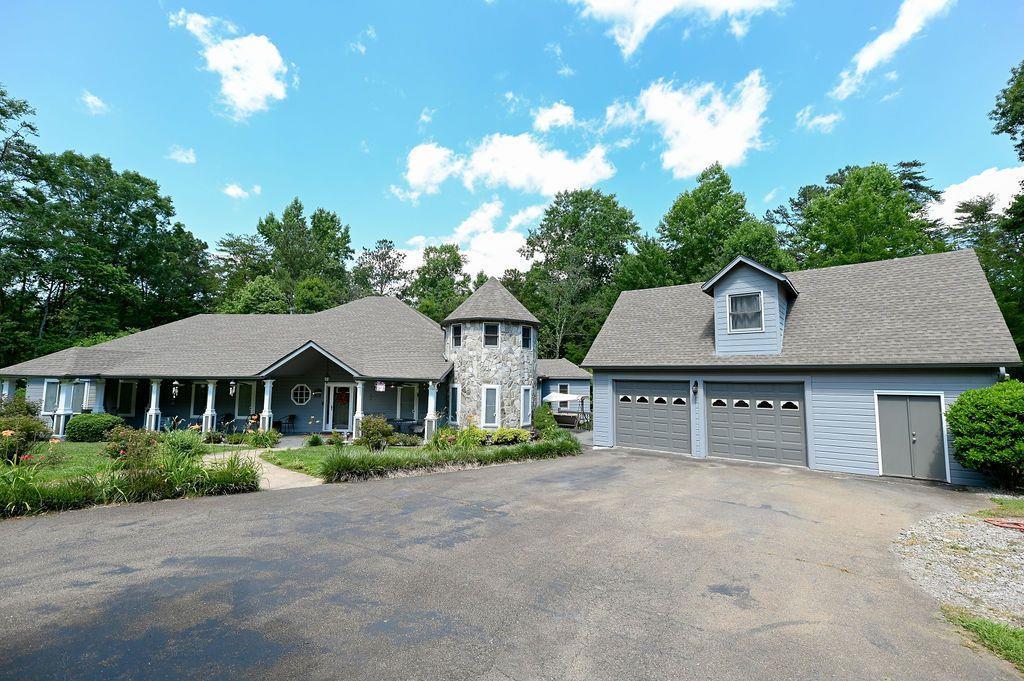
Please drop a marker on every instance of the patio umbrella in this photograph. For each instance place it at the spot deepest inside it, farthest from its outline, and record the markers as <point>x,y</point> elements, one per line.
<point>565,397</point>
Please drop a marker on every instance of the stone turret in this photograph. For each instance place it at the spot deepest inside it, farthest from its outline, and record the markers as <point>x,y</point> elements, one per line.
<point>492,340</point>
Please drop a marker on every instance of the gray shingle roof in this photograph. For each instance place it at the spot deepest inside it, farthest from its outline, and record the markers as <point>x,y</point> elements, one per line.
<point>929,310</point>
<point>378,337</point>
<point>492,301</point>
<point>560,368</point>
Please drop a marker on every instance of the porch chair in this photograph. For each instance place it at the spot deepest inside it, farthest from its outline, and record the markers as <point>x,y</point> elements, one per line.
<point>288,424</point>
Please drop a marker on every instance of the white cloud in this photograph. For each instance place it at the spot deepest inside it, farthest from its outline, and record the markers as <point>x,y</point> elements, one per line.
<point>557,115</point>
<point>891,96</point>
<point>426,167</point>
<point>236,191</point>
<point>700,124</point>
<point>621,114</point>
<point>1003,183</point>
<point>182,155</point>
<point>564,70</point>
<point>525,163</point>
<point>770,196</point>
<point>632,20</point>
<point>427,115</point>
<point>252,72</point>
<point>808,120</point>
<point>514,102</point>
<point>93,104</point>
<point>365,36</point>
<point>488,247</point>
<point>912,17</point>
<point>364,147</point>
<point>519,162</point>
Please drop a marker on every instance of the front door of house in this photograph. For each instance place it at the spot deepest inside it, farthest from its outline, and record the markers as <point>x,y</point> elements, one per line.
<point>340,413</point>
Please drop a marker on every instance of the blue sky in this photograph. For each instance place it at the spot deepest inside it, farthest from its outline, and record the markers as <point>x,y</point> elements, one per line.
<point>429,122</point>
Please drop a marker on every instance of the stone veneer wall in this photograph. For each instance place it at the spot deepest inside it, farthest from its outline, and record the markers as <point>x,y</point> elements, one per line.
<point>507,365</point>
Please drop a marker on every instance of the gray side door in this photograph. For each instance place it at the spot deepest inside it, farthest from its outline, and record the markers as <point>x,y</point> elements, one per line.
<point>757,422</point>
<point>910,432</point>
<point>652,415</point>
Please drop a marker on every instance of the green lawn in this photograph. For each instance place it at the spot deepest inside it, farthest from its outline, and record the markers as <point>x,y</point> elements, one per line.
<point>308,459</point>
<point>1002,639</point>
<point>1005,508</point>
<point>60,460</point>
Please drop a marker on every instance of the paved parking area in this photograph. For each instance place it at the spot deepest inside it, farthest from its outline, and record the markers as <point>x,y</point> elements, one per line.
<point>613,565</point>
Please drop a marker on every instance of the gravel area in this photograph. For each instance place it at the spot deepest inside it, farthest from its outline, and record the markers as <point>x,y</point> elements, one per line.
<point>962,560</point>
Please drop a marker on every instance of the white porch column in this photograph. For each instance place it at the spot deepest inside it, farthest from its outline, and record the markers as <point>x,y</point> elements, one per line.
<point>7,389</point>
<point>267,415</point>
<point>210,415</point>
<point>430,422</point>
<point>153,413</point>
<point>99,395</point>
<point>357,417</point>
<point>63,413</point>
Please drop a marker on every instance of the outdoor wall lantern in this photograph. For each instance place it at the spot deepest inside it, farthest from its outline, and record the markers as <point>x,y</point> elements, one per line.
<point>175,387</point>
<point>231,388</point>
<point>695,387</point>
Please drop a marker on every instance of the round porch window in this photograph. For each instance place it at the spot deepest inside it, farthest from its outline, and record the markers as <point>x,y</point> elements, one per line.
<point>301,394</point>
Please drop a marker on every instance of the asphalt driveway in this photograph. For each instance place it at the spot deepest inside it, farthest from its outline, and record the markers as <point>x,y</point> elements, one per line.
<point>613,565</point>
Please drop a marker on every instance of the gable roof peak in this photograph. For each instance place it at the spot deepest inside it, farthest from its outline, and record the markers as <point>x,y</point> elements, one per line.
<point>709,286</point>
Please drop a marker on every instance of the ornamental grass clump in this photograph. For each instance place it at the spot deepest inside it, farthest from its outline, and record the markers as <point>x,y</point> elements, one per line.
<point>187,443</point>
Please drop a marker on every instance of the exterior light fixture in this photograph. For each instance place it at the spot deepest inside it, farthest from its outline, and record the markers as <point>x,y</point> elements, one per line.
<point>231,388</point>
<point>175,386</point>
<point>694,387</point>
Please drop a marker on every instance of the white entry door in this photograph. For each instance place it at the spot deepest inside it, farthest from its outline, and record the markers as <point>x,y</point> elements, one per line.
<point>340,407</point>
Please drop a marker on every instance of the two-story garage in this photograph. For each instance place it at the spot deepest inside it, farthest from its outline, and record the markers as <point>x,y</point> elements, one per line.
<point>846,368</point>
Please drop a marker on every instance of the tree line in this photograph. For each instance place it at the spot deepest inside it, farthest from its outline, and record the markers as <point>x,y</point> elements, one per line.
<point>90,253</point>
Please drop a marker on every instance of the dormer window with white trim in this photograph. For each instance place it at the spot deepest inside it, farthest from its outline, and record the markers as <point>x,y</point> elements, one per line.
<point>746,312</point>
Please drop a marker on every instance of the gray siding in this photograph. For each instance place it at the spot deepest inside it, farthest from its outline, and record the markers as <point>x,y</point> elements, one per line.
<point>577,386</point>
<point>747,280</point>
<point>839,413</point>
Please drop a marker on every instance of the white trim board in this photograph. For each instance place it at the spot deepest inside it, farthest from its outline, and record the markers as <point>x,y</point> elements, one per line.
<point>483,405</point>
<point>302,348</point>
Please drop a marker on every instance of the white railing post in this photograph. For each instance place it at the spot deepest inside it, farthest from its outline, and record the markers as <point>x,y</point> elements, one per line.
<point>267,415</point>
<point>99,395</point>
<point>430,422</point>
<point>153,413</point>
<point>357,418</point>
<point>210,414</point>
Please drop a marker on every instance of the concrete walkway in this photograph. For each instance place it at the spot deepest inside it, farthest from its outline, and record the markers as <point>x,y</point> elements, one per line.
<point>272,476</point>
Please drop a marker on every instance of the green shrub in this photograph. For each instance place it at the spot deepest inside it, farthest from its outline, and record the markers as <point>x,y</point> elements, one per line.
<point>18,405</point>
<point>20,435</point>
<point>335,439</point>
<point>234,438</point>
<point>90,427</point>
<point>261,439</point>
<point>443,439</point>
<point>131,448</point>
<point>988,432</point>
<point>213,437</point>
<point>184,442</point>
<point>374,432</point>
<point>510,436</point>
<point>470,437</point>
<point>404,440</point>
<point>314,440</point>
<point>544,421</point>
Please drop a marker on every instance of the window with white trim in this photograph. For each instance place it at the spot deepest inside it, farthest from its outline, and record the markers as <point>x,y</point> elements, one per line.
<point>642,399</point>
<point>563,389</point>
<point>51,394</point>
<point>765,404</point>
<point>746,312</point>
<point>492,332</point>
<point>527,337</point>
<point>660,400</point>
<point>679,401</point>
<point>741,404</point>
<point>126,392</point>
<point>625,398</point>
<point>454,395</point>
<point>456,335</point>
<point>526,406</point>
<point>790,405</point>
<point>490,407</point>
<point>301,394</point>
<point>718,402</point>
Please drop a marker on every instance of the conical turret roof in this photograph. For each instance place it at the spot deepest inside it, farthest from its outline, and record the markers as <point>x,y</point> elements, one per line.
<point>492,302</point>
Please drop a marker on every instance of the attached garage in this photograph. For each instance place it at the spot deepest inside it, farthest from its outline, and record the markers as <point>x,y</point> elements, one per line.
<point>757,422</point>
<point>653,415</point>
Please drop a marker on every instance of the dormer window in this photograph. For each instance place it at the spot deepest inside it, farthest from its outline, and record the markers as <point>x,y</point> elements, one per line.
<point>491,332</point>
<point>746,312</point>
